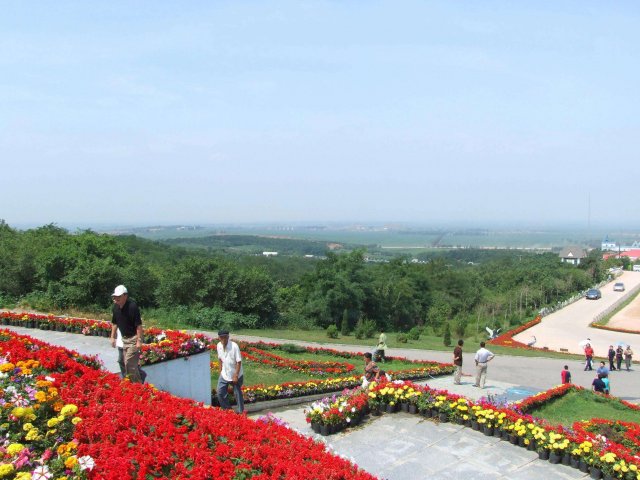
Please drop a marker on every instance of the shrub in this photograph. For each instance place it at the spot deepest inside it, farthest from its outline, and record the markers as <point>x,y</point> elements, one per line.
<point>344,326</point>
<point>365,329</point>
<point>332,331</point>
<point>291,348</point>
<point>446,337</point>
<point>295,321</point>
<point>402,338</point>
<point>414,334</point>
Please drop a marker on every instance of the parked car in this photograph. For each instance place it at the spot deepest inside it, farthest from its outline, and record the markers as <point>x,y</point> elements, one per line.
<point>618,287</point>
<point>593,294</point>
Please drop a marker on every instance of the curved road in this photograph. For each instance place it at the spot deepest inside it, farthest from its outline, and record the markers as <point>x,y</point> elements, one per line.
<point>566,328</point>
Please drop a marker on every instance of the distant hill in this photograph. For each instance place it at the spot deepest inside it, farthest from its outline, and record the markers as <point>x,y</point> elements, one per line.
<point>255,244</point>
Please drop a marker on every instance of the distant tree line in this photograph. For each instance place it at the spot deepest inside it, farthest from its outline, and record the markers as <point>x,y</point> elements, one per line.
<point>460,292</point>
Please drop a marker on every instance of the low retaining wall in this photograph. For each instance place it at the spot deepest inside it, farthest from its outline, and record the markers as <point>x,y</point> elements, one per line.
<point>187,377</point>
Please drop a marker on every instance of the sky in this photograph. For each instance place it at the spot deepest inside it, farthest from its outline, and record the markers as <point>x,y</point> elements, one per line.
<point>430,112</point>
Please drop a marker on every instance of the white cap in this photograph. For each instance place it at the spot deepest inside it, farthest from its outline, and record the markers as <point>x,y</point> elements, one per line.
<point>120,290</point>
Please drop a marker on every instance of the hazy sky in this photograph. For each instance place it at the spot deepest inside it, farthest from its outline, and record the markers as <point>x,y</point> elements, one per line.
<point>205,112</point>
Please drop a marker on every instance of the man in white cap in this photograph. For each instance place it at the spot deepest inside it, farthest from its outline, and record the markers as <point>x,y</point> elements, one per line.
<point>126,318</point>
<point>231,373</point>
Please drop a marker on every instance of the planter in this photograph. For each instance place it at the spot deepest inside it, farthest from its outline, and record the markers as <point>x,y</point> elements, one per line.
<point>475,425</point>
<point>443,417</point>
<point>505,435</point>
<point>315,426</point>
<point>325,430</point>
<point>595,472</point>
<point>391,408</point>
<point>521,442</point>
<point>543,454</point>
<point>497,432</point>
<point>532,445</point>
<point>554,458</point>
<point>404,407</point>
<point>459,420</point>
<point>583,466</point>
<point>375,410</point>
<point>513,439</point>
<point>413,409</point>
<point>574,462</point>
<point>608,477</point>
<point>488,431</point>
<point>566,459</point>
<point>435,412</point>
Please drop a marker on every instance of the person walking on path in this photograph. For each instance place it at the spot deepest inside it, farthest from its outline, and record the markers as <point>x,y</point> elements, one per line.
<point>457,361</point>
<point>483,356</point>
<point>628,354</point>
<point>565,375</point>
<point>612,356</point>
<point>231,372</point>
<point>588,355</point>
<point>382,346</point>
<point>619,355</point>
<point>120,347</point>
<point>126,318</point>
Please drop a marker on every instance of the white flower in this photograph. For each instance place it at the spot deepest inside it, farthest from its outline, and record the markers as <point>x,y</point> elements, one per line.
<point>41,473</point>
<point>86,463</point>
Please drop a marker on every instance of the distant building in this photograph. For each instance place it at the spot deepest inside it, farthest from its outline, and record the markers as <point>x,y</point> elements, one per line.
<point>611,246</point>
<point>608,245</point>
<point>633,255</point>
<point>573,255</point>
<point>270,254</point>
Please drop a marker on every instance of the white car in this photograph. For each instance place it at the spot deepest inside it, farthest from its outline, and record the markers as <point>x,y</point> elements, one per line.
<point>618,287</point>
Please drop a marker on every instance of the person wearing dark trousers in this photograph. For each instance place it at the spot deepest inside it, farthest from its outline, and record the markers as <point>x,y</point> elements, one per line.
<point>619,356</point>
<point>612,356</point>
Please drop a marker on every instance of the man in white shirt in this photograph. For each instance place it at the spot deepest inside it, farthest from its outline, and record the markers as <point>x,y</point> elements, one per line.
<point>483,356</point>
<point>230,371</point>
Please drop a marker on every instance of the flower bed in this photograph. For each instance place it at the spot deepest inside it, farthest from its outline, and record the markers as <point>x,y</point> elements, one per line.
<point>132,431</point>
<point>160,345</point>
<point>506,339</point>
<point>607,447</point>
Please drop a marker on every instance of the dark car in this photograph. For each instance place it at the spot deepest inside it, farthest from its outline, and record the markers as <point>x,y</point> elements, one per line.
<point>593,294</point>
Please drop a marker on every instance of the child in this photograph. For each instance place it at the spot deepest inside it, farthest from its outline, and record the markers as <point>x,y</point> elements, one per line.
<point>565,375</point>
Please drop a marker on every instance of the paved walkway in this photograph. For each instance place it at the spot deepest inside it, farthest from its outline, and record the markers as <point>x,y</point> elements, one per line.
<point>397,446</point>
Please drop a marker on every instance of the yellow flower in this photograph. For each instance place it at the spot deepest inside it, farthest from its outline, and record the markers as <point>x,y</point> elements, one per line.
<point>52,422</point>
<point>41,396</point>
<point>14,449</point>
<point>18,412</point>
<point>6,469</point>
<point>76,420</point>
<point>27,426</point>
<point>31,435</point>
<point>71,461</point>
<point>23,476</point>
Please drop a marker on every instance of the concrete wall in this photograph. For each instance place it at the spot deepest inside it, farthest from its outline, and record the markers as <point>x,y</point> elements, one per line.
<point>188,377</point>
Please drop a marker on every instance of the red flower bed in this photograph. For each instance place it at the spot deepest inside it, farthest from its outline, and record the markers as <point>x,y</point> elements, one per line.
<point>506,339</point>
<point>133,431</point>
<point>323,368</point>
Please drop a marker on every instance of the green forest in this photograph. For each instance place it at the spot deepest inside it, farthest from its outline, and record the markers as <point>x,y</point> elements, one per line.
<point>49,268</point>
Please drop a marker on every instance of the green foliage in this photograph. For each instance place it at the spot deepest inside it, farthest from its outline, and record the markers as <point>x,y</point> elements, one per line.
<point>332,331</point>
<point>365,328</point>
<point>292,348</point>
<point>206,318</point>
<point>446,337</point>
<point>402,338</point>
<point>344,324</point>
<point>414,334</point>
<point>460,326</point>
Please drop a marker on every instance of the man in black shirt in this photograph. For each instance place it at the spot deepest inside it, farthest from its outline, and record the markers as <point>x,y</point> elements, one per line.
<point>126,318</point>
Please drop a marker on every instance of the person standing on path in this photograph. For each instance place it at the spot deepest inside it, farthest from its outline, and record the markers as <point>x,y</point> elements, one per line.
<point>126,318</point>
<point>612,356</point>
<point>231,372</point>
<point>619,355</point>
<point>628,354</point>
<point>565,375</point>
<point>588,355</point>
<point>483,356</point>
<point>382,345</point>
<point>457,361</point>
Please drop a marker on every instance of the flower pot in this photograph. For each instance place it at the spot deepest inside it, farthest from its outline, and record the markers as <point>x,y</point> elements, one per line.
<point>391,408</point>
<point>488,431</point>
<point>532,445</point>
<point>566,459</point>
<point>554,457</point>
<point>608,477</point>
<point>513,439</point>
<point>443,417</point>
<point>595,472</point>
<point>505,435</point>
<point>375,410</point>
<point>497,432</point>
<point>543,454</point>
<point>583,466</point>
<point>325,430</point>
<point>435,412</point>
<point>521,442</point>
<point>315,426</point>
<point>574,462</point>
<point>459,420</point>
<point>413,409</point>
<point>404,407</point>
<point>475,425</point>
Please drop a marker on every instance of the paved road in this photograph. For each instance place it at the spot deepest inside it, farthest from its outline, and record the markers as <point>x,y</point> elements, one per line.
<point>567,327</point>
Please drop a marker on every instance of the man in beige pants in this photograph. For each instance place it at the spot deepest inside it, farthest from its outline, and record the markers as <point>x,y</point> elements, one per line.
<point>483,356</point>
<point>457,361</point>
